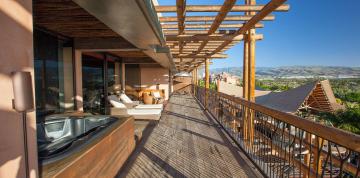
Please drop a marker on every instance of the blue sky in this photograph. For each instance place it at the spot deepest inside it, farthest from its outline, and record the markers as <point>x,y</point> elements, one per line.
<point>313,32</point>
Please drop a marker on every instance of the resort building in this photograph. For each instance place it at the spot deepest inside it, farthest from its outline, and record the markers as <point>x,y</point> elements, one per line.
<point>89,89</point>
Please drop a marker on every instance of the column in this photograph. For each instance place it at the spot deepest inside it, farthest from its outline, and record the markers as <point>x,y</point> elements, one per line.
<point>251,77</point>
<point>78,81</point>
<point>170,83</point>
<point>123,76</point>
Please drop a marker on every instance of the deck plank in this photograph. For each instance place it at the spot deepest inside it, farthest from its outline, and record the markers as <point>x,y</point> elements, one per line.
<point>186,143</point>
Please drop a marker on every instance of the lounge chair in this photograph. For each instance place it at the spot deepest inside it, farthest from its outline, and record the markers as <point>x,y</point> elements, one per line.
<point>136,104</point>
<point>139,114</point>
<point>157,97</point>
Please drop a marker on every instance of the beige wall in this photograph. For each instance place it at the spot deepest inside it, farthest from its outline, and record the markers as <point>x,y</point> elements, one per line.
<point>78,81</point>
<point>16,54</point>
<point>68,93</point>
<point>150,76</point>
<point>180,83</point>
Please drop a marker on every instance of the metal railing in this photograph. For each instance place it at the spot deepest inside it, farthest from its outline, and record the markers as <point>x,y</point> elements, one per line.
<point>282,144</point>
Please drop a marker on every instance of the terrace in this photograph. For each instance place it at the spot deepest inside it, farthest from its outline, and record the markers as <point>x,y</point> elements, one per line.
<point>85,52</point>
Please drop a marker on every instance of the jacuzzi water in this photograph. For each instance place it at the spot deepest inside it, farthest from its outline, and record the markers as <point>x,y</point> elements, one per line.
<point>60,135</point>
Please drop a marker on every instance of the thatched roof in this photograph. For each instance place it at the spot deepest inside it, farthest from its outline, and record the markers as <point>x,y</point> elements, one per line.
<point>314,96</point>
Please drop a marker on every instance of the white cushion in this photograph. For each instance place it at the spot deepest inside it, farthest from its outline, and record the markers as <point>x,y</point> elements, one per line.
<point>149,106</point>
<point>125,99</point>
<point>144,111</point>
<point>115,102</point>
<point>145,114</point>
<point>156,94</point>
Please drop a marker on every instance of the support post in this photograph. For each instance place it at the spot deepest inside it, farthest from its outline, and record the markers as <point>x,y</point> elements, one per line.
<point>196,76</point>
<point>78,81</point>
<point>170,83</point>
<point>123,76</point>
<point>251,83</point>
<point>249,79</point>
<point>207,81</point>
<point>245,86</point>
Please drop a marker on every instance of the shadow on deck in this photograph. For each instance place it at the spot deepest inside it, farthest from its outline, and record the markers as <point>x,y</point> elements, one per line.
<point>186,143</point>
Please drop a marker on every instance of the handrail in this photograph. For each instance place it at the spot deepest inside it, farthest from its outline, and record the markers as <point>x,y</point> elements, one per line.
<point>303,148</point>
<point>341,137</point>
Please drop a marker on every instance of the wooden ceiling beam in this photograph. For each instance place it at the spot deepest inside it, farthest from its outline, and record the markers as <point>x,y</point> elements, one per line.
<point>197,26</point>
<point>201,56</point>
<point>216,8</point>
<point>208,37</point>
<point>267,9</point>
<point>181,13</point>
<point>224,10</point>
<point>210,43</point>
<point>194,32</point>
<point>212,18</point>
<point>180,5</point>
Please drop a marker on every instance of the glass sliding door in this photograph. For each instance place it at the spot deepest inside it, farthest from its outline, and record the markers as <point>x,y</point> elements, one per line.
<point>50,56</point>
<point>93,84</point>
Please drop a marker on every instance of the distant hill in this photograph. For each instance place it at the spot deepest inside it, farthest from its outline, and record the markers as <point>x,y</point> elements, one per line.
<point>297,72</point>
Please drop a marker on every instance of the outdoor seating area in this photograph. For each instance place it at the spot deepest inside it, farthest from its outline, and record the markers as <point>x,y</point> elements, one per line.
<point>123,105</point>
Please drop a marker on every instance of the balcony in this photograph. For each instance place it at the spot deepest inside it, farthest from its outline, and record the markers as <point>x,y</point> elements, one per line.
<point>84,50</point>
<point>191,141</point>
<point>187,143</point>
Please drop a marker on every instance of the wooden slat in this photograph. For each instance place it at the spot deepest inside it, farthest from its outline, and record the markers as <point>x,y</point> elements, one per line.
<point>216,8</point>
<point>186,144</point>
<point>201,56</point>
<point>180,4</point>
<point>212,18</point>
<point>197,26</point>
<point>199,37</point>
<point>68,19</point>
<point>195,32</point>
<point>224,10</point>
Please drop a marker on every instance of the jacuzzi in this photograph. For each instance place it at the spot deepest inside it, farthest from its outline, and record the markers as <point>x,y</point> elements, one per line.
<point>84,145</point>
<point>61,135</point>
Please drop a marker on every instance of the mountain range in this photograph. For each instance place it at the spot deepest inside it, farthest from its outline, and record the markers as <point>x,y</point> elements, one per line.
<point>296,72</point>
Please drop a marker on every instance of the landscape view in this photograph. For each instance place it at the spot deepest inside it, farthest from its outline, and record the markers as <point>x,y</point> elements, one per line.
<point>345,83</point>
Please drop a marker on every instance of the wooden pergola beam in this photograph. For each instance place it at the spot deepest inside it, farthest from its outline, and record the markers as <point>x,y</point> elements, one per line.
<point>201,37</point>
<point>224,10</point>
<point>267,9</point>
<point>210,43</point>
<point>190,50</point>
<point>201,56</point>
<point>212,18</point>
<point>217,8</point>
<point>193,32</point>
<point>199,26</point>
<point>181,11</point>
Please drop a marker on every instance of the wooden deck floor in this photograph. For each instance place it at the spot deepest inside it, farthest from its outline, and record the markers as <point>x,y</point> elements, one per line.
<point>186,143</point>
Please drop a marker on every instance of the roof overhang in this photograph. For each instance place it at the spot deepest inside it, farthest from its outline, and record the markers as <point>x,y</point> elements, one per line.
<point>136,21</point>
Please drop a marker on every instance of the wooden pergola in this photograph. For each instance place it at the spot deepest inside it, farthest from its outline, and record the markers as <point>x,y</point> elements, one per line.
<point>195,40</point>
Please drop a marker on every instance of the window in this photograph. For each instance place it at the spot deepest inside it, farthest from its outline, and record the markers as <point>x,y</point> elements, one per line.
<point>51,54</point>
